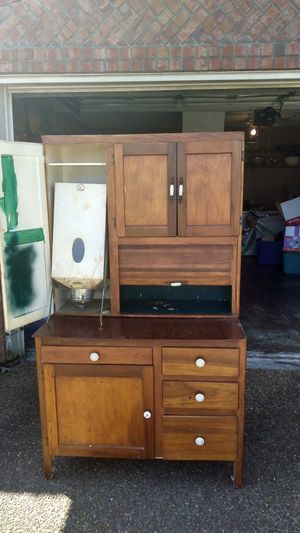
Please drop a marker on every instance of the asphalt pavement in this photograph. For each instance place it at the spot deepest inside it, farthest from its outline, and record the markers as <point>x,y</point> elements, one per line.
<point>119,496</point>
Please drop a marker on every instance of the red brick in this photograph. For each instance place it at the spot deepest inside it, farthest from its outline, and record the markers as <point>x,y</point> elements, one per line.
<point>157,7</point>
<point>292,62</point>
<point>188,64</point>
<point>214,63</point>
<point>138,52</point>
<point>254,50</point>
<point>125,65</point>
<point>162,52</point>
<point>201,51</point>
<point>162,65</point>
<point>293,49</point>
<point>112,53</point>
<point>189,51</point>
<point>241,49</point>
<point>99,53</point>
<point>253,63</point>
<point>150,65</point>
<point>213,51</point>
<point>201,64</point>
<point>266,49</point>
<point>6,67</point>
<point>138,65</point>
<point>175,64</point>
<point>279,62</point>
<point>227,50</point>
<point>175,52</point>
<point>227,64</point>
<point>266,62</point>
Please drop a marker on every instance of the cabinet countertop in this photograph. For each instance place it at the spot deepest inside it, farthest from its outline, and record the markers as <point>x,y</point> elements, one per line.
<point>127,329</point>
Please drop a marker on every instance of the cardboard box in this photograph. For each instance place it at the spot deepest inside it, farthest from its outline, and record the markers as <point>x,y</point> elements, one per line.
<point>291,241</point>
<point>291,211</point>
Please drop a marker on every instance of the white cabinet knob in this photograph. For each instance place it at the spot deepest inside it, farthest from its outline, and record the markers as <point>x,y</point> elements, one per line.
<point>147,414</point>
<point>200,362</point>
<point>199,441</point>
<point>199,397</point>
<point>94,356</point>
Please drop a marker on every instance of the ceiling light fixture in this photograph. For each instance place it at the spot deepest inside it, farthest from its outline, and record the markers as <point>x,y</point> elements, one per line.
<point>253,131</point>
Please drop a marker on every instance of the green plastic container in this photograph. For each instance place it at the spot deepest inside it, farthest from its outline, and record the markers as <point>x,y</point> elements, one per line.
<point>291,262</point>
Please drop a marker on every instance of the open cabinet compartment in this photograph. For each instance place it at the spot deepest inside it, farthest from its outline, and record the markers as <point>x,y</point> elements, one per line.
<point>74,164</point>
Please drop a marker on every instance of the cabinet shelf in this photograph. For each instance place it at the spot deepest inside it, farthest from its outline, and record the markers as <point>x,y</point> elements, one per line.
<point>76,164</point>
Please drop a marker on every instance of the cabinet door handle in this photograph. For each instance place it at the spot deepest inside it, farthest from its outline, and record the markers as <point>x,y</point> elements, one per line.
<point>180,190</point>
<point>199,397</point>
<point>94,356</point>
<point>200,362</point>
<point>199,441</point>
<point>147,414</point>
<point>172,189</point>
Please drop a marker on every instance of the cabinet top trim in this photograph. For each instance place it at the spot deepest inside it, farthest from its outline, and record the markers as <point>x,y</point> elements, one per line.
<point>167,137</point>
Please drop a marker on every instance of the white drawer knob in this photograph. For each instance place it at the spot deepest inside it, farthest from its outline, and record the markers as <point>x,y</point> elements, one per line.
<point>94,356</point>
<point>200,362</point>
<point>199,397</point>
<point>199,441</point>
<point>147,414</point>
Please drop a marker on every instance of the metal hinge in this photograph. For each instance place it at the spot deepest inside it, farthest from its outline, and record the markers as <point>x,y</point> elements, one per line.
<point>243,155</point>
<point>114,222</point>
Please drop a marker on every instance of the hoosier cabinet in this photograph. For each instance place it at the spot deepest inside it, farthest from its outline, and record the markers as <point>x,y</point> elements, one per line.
<point>162,373</point>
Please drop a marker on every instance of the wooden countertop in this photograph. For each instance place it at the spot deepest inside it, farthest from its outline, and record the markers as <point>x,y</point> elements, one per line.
<point>144,328</point>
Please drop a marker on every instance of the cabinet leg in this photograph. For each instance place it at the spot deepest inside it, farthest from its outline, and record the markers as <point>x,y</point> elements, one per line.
<point>238,474</point>
<point>48,460</point>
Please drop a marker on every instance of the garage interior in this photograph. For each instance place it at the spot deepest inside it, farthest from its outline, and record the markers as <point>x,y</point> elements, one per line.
<point>269,296</point>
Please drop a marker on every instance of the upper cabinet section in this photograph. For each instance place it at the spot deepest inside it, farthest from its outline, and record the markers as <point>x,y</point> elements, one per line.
<point>187,189</point>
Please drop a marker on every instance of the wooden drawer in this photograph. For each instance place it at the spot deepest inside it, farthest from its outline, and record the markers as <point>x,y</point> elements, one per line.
<point>107,355</point>
<point>179,396</point>
<point>216,437</point>
<point>200,362</point>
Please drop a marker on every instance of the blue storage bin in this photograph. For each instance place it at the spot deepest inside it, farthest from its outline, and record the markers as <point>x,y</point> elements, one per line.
<point>269,252</point>
<point>291,262</point>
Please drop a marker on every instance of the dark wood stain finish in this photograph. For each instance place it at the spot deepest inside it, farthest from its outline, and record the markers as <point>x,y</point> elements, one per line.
<point>128,389</point>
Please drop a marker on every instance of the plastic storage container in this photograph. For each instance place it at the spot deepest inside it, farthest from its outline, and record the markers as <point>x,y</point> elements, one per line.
<point>269,252</point>
<point>291,262</point>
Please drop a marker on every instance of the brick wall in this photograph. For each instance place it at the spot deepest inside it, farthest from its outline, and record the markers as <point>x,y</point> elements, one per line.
<point>59,36</point>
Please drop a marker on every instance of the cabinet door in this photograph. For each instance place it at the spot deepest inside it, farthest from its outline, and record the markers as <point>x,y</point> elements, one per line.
<point>209,188</point>
<point>99,410</point>
<point>24,249</point>
<point>145,188</point>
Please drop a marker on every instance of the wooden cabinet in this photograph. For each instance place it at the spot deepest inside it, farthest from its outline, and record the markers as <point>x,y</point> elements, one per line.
<point>99,409</point>
<point>209,177</point>
<point>174,212</point>
<point>188,188</point>
<point>142,388</point>
<point>145,181</point>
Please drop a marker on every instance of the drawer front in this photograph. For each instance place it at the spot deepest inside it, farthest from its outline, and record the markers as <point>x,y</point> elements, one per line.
<point>210,264</point>
<point>204,438</point>
<point>97,355</point>
<point>199,396</point>
<point>200,362</point>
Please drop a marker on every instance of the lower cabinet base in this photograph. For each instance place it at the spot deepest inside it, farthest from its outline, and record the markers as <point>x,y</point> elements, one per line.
<point>237,477</point>
<point>142,389</point>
